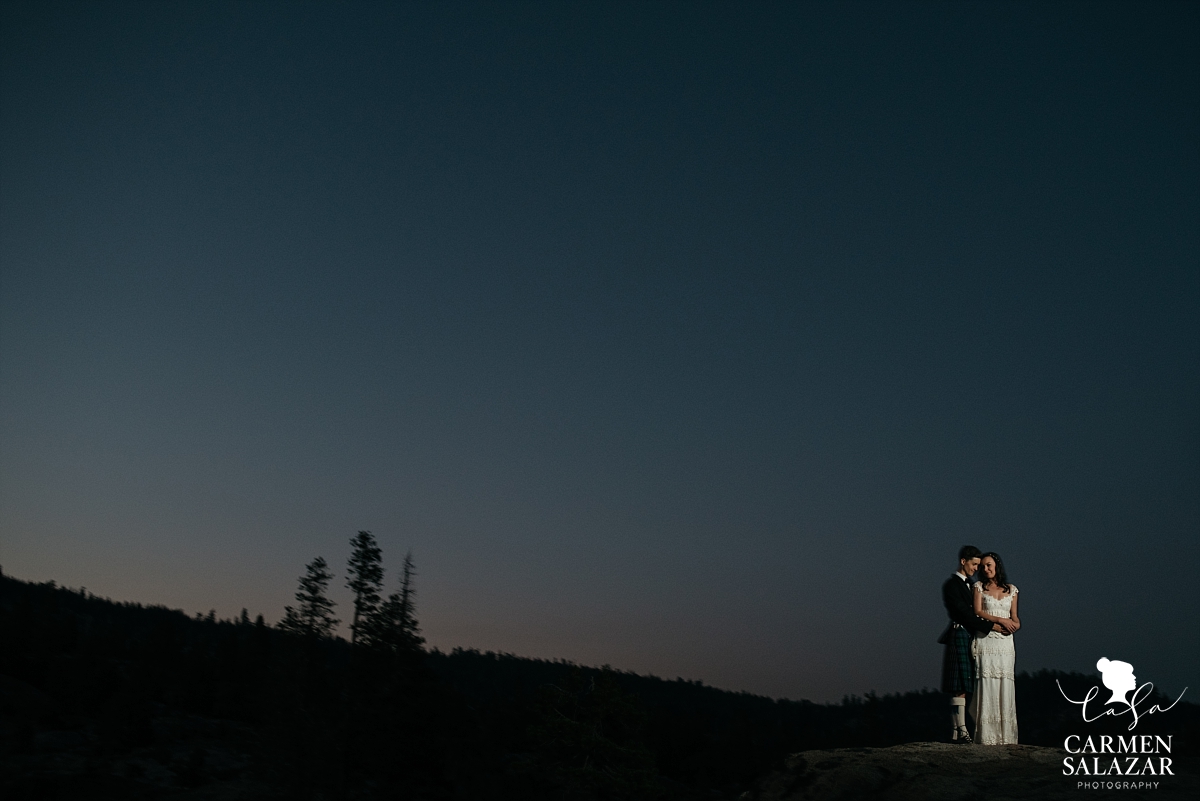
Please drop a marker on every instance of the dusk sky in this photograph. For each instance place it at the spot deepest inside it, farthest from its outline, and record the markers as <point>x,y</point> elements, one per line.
<point>689,338</point>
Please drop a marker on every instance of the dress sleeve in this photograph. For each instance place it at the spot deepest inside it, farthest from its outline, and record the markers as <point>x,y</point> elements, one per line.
<point>1012,588</point>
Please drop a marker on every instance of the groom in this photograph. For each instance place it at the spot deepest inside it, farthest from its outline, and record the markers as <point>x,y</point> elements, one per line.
<point>958,667</point>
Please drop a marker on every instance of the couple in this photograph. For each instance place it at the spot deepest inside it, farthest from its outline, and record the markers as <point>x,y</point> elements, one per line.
<point>980,657</point>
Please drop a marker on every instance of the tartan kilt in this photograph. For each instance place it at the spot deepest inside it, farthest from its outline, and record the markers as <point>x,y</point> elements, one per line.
<point>958,666</point>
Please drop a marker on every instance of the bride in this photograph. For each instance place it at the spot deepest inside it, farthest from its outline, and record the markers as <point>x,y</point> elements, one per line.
<point>994,703</point>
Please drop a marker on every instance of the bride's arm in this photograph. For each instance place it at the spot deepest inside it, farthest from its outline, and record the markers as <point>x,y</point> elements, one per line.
<point>979,605</point>
<point>1013,612</point>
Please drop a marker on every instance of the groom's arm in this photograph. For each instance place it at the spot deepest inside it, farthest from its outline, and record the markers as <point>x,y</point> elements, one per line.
<point>958,605</point>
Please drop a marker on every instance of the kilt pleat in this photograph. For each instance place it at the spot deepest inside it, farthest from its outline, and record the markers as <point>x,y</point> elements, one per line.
<point>958,667</point>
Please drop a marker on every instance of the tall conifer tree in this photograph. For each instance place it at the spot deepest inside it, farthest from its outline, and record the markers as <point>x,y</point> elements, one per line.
<point>365,580</point>
<point>314,615</point>
<point>401,633</point>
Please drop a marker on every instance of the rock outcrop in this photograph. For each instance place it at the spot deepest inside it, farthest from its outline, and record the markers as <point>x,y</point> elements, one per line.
<point>941,771</point>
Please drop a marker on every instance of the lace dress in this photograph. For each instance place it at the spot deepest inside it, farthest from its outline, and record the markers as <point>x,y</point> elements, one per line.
<point>994,703</point>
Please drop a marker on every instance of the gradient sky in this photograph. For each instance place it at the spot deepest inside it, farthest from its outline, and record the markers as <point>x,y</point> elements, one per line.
<point>693,339</point>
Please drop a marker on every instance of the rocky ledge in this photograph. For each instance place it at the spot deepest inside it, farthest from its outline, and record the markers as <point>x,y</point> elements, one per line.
<point>944,772</point>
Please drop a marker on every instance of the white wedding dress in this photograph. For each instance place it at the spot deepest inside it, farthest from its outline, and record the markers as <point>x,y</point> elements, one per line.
<point>994,703</point>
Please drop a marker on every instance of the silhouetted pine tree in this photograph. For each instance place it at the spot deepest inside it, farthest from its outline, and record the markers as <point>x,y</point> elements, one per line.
<point>365,580</point>
<point>398,629</point>
<point>314,617</point>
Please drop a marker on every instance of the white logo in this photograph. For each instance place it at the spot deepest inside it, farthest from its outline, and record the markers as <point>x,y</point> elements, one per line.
<point>1118,677</point>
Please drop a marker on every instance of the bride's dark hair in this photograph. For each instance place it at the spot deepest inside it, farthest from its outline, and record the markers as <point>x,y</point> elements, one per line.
<point>1001,579</point>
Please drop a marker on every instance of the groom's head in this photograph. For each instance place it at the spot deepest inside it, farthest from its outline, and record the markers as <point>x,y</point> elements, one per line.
<point>968,560</point>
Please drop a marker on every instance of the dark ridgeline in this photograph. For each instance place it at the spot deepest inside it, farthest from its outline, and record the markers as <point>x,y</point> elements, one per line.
<point>100,699</point>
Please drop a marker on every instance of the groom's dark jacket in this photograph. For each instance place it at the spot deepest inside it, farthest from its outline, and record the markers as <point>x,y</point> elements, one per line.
<point>956,595</point>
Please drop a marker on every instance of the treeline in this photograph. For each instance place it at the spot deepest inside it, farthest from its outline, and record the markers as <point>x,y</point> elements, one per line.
<point>118,700</point>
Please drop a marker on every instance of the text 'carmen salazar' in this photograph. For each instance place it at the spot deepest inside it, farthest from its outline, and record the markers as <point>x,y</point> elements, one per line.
<point>1136,755</point>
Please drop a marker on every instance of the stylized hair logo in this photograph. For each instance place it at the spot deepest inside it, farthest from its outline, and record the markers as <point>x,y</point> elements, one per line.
<point>1118,677</point>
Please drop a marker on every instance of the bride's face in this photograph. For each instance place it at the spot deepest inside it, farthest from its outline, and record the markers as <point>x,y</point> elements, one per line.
<point>988,567</point>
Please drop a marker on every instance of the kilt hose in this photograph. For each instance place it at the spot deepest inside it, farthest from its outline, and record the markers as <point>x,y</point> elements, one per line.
<point>958,666</point>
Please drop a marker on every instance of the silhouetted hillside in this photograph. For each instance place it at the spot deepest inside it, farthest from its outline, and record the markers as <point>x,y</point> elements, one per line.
<point>101,699</point>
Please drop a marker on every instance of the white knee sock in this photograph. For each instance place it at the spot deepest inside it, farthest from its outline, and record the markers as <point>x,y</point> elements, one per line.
<point>958,713</point>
